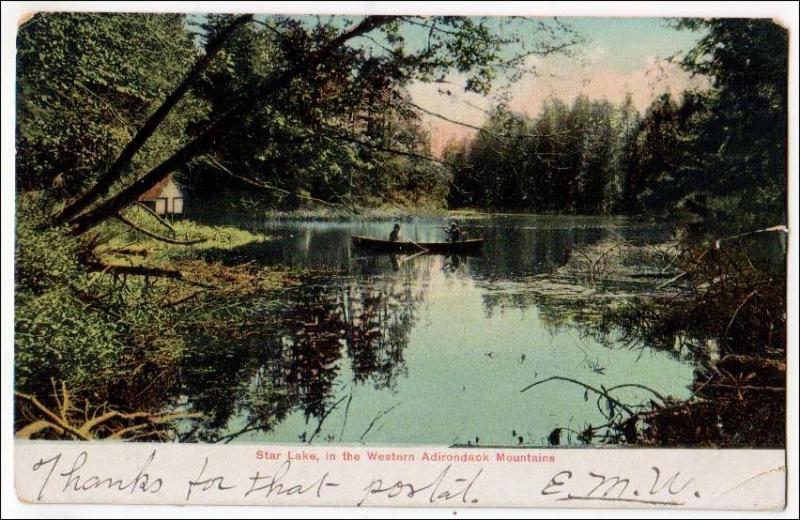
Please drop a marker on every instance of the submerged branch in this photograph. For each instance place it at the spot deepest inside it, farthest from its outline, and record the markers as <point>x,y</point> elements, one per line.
<point>605,394</point>
<point>325,416</point>
<point>377,418</point>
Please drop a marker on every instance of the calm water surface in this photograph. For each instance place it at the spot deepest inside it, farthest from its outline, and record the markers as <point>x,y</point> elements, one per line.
<point>424,349</point>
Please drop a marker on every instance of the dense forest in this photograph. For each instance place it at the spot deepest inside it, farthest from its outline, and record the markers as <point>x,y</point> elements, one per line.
<point>263,113</point>
<point>716,152</point>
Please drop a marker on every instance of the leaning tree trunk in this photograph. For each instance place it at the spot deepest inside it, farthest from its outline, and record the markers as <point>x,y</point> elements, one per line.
<point>116,170</point>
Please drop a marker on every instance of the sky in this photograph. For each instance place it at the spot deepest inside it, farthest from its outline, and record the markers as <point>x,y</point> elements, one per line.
<point>619,55</point>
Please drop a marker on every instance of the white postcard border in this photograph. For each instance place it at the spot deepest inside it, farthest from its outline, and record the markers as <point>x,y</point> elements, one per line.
<point>391,476</point>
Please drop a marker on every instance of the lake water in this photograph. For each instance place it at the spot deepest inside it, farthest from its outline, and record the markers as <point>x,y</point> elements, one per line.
<point>423,349</point>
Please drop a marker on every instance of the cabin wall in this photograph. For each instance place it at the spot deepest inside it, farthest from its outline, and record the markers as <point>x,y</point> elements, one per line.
<point>174,198</point>
<point>168,202</point>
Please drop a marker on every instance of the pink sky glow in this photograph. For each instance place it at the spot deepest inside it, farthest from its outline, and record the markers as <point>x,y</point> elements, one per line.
<point>565,82</point>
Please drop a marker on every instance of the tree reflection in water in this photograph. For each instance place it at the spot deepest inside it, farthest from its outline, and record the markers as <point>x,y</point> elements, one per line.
<point>295,360</point>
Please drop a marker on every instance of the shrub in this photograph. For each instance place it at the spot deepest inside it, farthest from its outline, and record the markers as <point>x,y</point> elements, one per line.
<point>60,337</point>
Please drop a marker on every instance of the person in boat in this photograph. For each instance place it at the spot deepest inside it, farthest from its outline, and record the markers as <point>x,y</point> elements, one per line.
<point>453,232</point>
<point>394,236</point>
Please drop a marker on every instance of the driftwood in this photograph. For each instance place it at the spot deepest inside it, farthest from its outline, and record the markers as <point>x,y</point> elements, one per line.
<point>63,420</point>
<point>717,244</point>
<point>740,361</point>
<point>746,388</point>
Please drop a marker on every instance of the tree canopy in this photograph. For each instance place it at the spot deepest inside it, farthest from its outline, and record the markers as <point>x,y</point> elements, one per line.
<point>293,104</point>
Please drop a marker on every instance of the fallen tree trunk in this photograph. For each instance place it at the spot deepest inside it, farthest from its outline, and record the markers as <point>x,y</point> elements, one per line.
<point>137,270</point>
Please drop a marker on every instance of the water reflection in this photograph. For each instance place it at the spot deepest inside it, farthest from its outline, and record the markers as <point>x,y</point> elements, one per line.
<point>414,348</point>
<point>513,245</point>
<point>294,361</point>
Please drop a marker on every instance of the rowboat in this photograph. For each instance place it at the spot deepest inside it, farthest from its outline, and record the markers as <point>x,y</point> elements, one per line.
<point>374,245</point>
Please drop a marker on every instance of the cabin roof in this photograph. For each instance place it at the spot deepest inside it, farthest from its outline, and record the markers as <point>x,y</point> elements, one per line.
<point>156,190</point>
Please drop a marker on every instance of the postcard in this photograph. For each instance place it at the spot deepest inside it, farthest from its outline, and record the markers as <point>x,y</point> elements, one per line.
<point>387,259</point>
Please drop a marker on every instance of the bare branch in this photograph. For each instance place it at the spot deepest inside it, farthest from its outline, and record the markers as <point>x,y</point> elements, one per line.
<point>155,236</point>
<point>156,216</point>
<point>495,135</point>
<point>379,148</point>
<point>265,186</point>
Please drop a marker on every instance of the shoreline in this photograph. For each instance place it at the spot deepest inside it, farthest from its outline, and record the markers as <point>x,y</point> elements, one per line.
<point>404,214</point>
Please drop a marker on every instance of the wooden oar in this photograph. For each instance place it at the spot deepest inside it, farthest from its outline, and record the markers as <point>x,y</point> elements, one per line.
<point>422,249</point>
<point>409,258</point>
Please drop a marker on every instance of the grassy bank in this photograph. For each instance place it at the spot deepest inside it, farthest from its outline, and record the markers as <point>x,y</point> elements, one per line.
<point>190,237</point>
<point>102,320</point>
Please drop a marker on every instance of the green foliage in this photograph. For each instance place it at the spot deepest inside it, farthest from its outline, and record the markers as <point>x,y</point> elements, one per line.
<point>60,337</point>
<point>331,136</point>
<point>747,127</point>
<point>43,259</point>
<point>721,152</point>
<point>567,159</point>
<point>57,335</point>
<point>88,81</point>
<point>85,83</point>
<point>71,325</point>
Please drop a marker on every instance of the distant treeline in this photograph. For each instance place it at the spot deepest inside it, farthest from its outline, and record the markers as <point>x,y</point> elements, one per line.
<point>715,152</point>
<point>567,159</point>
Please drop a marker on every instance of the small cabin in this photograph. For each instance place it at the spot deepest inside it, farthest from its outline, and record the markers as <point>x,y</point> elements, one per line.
<point>165,198</point>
